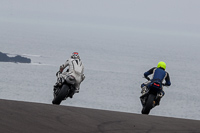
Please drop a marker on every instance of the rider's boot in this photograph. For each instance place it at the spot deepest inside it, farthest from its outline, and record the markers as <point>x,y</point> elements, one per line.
<point>144,90</point>
<point>56,88</point>
<point>58,83</point>
<point>157,102</point>
<point>76,90</point>
<point>71,93</point>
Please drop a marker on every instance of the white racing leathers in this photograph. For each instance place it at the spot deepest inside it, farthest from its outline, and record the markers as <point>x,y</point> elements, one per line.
<point>76,69</point>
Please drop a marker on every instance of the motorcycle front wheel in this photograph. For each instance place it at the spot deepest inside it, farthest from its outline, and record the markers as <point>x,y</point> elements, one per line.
<point>149,104</point>
<point>62,94</point>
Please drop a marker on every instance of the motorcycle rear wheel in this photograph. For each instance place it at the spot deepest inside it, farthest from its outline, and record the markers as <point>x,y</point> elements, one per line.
<point>149,104</point>
<point>62,94</point>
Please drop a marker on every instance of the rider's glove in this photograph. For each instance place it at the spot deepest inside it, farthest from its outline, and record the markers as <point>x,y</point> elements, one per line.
<point>61,69</point>
<point>58,73</point>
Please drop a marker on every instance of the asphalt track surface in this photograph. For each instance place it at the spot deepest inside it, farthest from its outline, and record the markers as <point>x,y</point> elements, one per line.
<point>27,117</point>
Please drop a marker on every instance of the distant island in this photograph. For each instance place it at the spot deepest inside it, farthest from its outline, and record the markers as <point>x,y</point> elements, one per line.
<point>17,59</point>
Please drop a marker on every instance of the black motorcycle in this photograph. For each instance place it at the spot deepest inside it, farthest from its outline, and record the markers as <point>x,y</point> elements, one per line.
<point>64,89</point>
<point>151,97</point>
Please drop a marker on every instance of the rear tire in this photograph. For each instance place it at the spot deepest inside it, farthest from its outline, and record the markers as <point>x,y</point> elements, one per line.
<point>149,104</point>
<point>62,94</point>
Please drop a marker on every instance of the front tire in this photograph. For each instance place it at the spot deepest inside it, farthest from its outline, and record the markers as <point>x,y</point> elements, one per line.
<point>149,104</point>
<point>62,94</point>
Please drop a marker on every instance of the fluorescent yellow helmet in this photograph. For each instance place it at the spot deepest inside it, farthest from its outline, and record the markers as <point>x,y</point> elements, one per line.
<point>161,64</point>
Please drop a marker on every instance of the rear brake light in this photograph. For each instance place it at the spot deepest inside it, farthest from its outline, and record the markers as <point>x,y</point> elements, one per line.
<point>156,84</point>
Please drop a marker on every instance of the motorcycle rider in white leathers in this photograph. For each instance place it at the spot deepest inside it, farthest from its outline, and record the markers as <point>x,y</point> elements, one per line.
<point>75,69</point>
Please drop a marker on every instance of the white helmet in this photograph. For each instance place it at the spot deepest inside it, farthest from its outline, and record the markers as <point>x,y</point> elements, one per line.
<point>75,55</point>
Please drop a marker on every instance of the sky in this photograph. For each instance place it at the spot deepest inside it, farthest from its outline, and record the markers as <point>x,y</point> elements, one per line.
<point>175,15</point>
